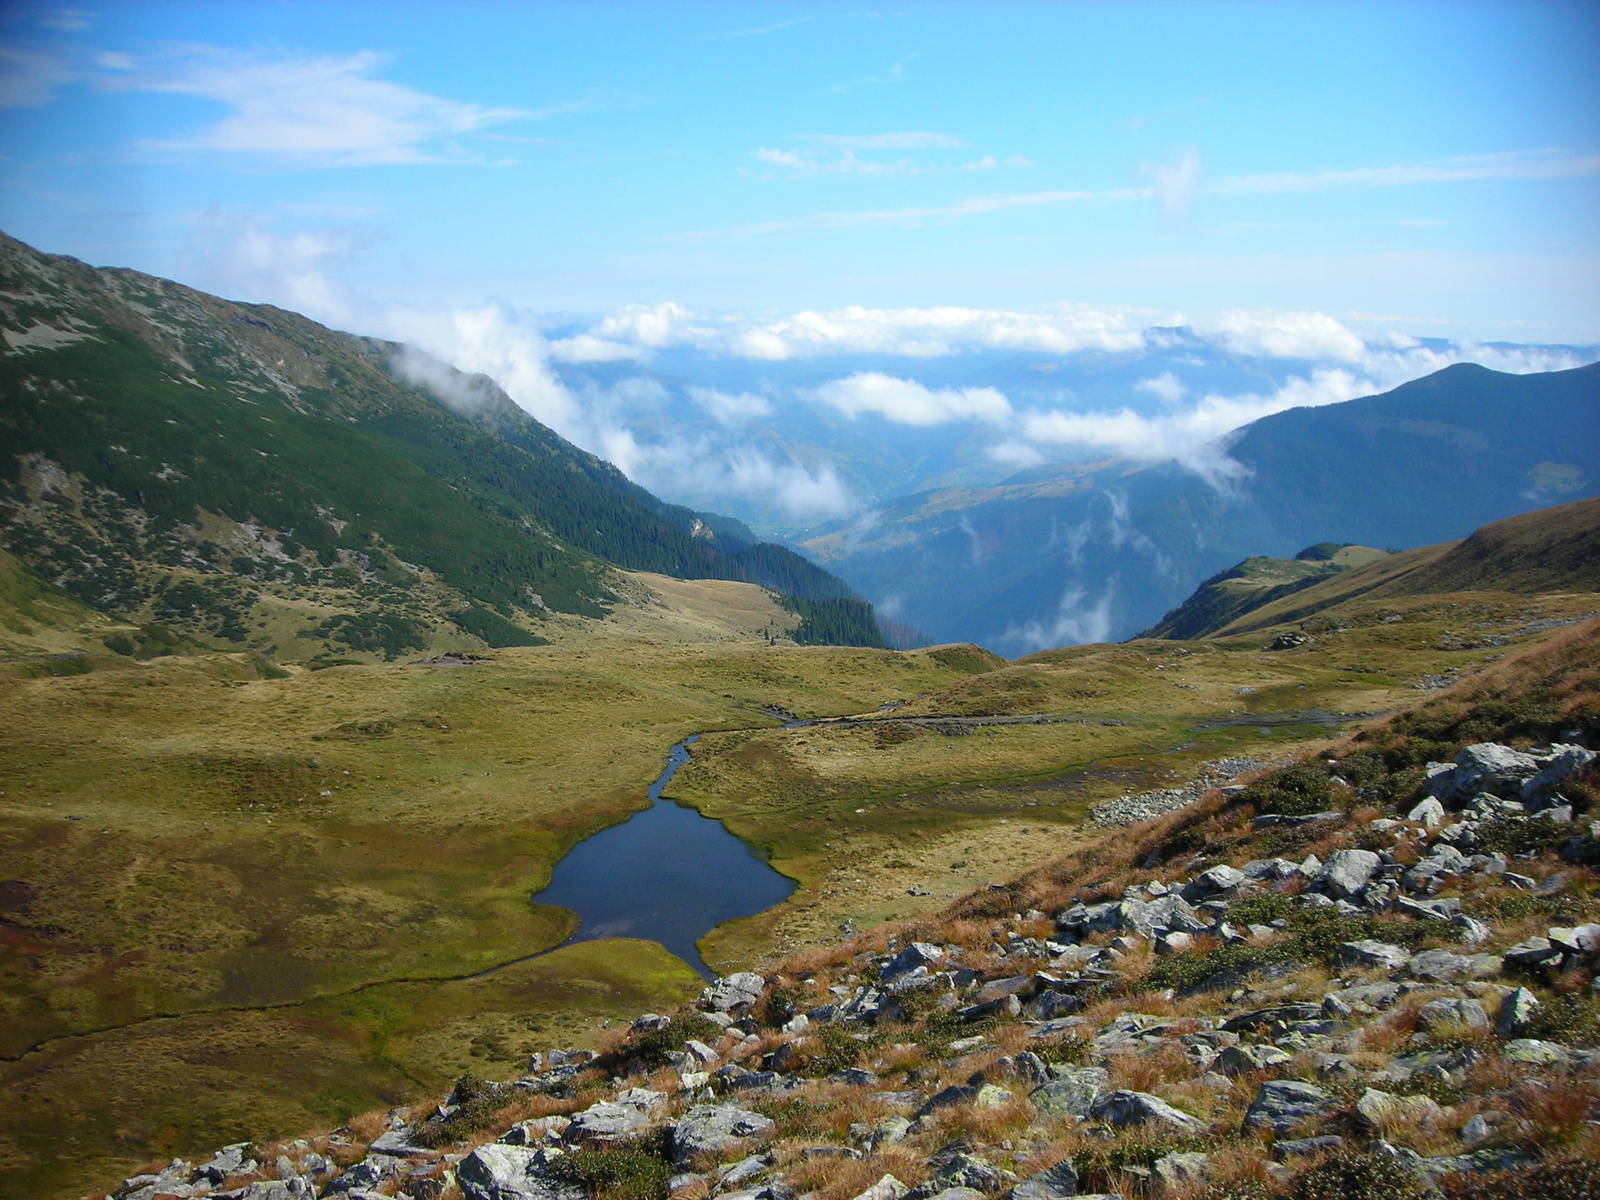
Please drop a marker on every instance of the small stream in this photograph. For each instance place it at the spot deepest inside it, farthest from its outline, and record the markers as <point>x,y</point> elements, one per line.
<point>666,874</point>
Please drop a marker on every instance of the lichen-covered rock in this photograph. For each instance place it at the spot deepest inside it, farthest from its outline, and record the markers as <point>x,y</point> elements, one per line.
<point>1451,1013</point>
<point>1071,1093</point>
<point>1052,1183</point>
<point>1124,1108</point>
<point>713,1127</point>
<point>1516,1013</point>
<point>1281,1104</point>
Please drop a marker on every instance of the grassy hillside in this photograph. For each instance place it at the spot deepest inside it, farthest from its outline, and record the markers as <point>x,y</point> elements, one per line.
<point>1549,551</point>
<point>1552,550</point>
<point>243,475</point>
<point>1253,583</point>
<point>212,861</point>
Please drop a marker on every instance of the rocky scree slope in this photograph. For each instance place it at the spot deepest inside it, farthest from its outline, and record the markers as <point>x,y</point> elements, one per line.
<point>230,471</point>
<point>1370,974</point>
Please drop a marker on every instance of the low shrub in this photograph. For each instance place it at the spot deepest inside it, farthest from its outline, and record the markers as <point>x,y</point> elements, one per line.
<point>1357,1175</point>
<point>639,1169</point>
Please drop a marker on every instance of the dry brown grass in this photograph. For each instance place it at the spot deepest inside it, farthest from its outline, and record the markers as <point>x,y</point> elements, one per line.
<point>1392,1030</point>
<point>368,1125</point>
<point>986,1124</point>
<point>1150,1072</point>
<point>843,1178</point>
<point>1554,1111</point>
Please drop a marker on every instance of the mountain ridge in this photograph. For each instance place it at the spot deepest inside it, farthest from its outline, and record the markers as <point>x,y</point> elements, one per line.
<point>1099,551</point>
<point>155,438</point>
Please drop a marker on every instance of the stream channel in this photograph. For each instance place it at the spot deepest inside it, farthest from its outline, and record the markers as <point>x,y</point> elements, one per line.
<point>666,874</point>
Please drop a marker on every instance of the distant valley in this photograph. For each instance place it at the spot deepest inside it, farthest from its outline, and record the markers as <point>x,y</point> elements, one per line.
<point>1096,551</point>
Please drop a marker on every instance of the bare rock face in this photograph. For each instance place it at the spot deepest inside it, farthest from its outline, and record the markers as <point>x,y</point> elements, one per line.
<point>501,1172</point>
<point>732,991</point>
<point>1348,871</point>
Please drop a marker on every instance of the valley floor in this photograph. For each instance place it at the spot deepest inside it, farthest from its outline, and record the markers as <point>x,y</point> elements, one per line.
<point>242,900</point>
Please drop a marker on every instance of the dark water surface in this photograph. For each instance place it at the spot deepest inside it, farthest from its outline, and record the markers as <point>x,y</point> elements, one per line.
<point>667,874</point>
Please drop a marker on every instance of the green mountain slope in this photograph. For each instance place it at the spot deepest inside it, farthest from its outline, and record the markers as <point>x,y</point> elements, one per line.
<point>244,474</point>
<point>1552,550</point>
<point>1255,582</point>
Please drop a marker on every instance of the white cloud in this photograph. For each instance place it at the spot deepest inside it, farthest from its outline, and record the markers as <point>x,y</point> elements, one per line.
<point>1016,454</point>
<point>932,332</point>
<point>1175,183</point>
<point>1307,335</point>
<point>1074,622</point>
<point>987,163</point>
<point>1189,436</point>
<point>907,402</point>
<point>246,259</point>
<point>494,342</point>
<point>310,111</point>
<point>1165,387</point>
<point>67,20</point>
<point>29,78</point>
<point>785,158</point>
<point>1527,164</point>
<point>730,408</point>
<point>586,348</point>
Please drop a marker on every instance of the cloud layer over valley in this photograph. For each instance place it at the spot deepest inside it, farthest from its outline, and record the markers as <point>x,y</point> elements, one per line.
<point>790,420</point>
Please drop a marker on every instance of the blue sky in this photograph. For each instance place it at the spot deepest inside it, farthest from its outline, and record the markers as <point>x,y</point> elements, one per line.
<point>1434,166</point>
<point>757,254</point>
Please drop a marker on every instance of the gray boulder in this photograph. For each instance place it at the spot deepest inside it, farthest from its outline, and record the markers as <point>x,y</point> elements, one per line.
<point>1516,1013</point>
<point>1180,1170</point>
<point>1071,1094</point>
<point>366,1174</point>
<point>999,989</point>
<point>1241,1060</point>
<point>1052,1183</point>
<point>1368,953</point>
<point>917,954</point>
<point>607,1122</point>
<point>230,1160</point>
<point>1123,1108</point>
<point>887,1188</point>
<point>1281,1104</point>
<point>1430,812</point>
<point>501,1172</point>
<point>1534,952</point>
<point>714,1127</point>
<point>731,991</point>
<point>1215,882</point>
<point>1452,1013</point>
<point>1441,966</point>
<point>1580,939</point>
<point>1563,762</point>
<point>1347,871</point>
<point>1491,767</point>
